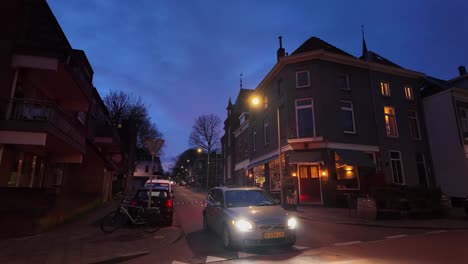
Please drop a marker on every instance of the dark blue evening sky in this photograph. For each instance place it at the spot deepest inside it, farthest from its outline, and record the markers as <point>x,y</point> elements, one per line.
<point>183,58</point>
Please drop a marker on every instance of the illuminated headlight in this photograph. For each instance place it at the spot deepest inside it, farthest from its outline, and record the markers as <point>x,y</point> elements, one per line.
<point>243,225</point>
<point>292,223</point>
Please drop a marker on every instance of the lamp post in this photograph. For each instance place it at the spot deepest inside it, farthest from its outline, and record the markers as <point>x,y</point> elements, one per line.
<point>255,101</point>
<point>199,150</point>
<point>153,146</point>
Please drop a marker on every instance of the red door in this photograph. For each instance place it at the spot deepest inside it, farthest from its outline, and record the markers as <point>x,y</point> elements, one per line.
<point>309,184</point>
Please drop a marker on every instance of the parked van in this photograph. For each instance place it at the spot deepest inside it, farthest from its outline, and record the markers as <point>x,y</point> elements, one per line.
<point>159,183</point>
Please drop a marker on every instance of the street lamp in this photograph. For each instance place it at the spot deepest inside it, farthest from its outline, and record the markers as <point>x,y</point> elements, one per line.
<point>255,101</point>
<point>153,146</point>
<point>199,150</point>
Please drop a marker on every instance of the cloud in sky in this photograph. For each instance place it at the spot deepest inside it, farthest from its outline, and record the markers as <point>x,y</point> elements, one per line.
<point>184,57</point>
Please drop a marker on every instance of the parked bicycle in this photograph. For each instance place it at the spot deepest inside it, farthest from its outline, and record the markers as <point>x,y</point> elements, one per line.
<point>131,212</point>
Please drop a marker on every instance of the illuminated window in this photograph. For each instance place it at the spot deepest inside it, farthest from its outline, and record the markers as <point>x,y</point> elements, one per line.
<point>305,118</point>
<point>414,124</point>
<point>302,79</point>
<point>397,167</point>
<point>390,121</point>
<point>347,175</point>
<point>409,93</point>
<point>342,82</point>
<point>347,117</point>
<point>385,88</point>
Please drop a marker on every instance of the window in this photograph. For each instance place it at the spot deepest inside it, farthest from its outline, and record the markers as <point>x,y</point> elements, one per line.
<point>409,93</point>
<point>414,124</point>
<point>342,82</point>
<point>347,117</point>
<point>254,139</point>
<point>463,113</point>
<point>305,118</point>
<point>81,116</point>
<point>390,121</point>
<point>422,171</point>
<point>385,88</point>
<point>347,175</point>
<point>302,79</point>
<point>265,132</point>
<point>397,167</point>
<point>265,102</point>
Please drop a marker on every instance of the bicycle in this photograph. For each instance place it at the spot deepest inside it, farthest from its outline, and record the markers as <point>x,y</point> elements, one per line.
<point>149,218</point>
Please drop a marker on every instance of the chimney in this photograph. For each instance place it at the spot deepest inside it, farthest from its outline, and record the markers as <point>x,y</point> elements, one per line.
<point>462,70</point>
<point>280,53</point>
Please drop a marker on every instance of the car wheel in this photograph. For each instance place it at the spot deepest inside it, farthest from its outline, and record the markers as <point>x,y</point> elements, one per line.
<point>205,224</point>
<point>227,240</point>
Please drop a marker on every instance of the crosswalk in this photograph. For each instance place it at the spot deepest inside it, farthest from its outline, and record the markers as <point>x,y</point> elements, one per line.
<point>241,255</point>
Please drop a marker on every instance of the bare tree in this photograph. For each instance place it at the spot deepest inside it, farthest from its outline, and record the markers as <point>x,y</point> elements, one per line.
<point>206,134</point>
<point>130,114</point>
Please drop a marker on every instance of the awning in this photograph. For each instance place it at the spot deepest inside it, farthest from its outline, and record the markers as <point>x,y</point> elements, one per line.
<point>305,157</point>
<point>255,164</point>
<point>355,157</point>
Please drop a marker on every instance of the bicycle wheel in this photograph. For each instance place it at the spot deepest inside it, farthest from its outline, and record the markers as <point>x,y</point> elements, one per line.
<point>112,221</point>
<point>153,222</point>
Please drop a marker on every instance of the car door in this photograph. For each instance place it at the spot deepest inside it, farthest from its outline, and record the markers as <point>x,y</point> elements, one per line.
<point>218,210</point>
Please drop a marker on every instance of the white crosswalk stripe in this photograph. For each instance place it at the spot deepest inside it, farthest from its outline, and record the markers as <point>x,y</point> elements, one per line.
<point>396,236</point>
<point>213,259</point>
<point>178,262</point>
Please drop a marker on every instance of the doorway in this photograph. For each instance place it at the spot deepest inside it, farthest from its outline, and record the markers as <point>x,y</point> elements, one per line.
<point>310,189</point>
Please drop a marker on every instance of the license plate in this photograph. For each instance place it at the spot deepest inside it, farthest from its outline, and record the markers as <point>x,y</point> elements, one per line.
<point>274,234</point>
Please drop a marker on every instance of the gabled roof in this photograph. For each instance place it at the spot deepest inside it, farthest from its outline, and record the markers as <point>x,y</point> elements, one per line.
<point>371,56</point>
<point>432,86</point>
<point>315,43</point>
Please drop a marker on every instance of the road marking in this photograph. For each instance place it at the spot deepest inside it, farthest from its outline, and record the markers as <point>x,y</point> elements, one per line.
<point>436,232</point>
<point>348,243</point>
<point>244,254</point>
<point>213,259</point>
<point>178,262</point>
<point>299,247</point>
<point>396,236</point>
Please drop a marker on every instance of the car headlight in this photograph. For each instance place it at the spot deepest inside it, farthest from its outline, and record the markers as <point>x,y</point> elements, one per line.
<point>242,225</point>
<point>292,223</point>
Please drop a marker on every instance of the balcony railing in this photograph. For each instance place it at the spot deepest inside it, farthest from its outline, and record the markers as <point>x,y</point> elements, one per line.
<point>46,112</point>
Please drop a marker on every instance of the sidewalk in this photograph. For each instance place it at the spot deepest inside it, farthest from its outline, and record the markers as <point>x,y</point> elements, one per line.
<point>82,242</point>
<point>456,220</point>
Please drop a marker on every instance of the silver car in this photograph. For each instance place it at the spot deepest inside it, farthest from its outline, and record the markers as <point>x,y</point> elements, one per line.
<point>247,216</point>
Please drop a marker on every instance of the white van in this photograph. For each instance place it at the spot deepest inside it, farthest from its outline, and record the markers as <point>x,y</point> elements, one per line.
<point>159,183</point>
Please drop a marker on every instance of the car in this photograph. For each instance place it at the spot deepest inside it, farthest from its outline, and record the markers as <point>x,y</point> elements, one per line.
<point>159,183</point>
<point>247,217</point>
<point>182,183</point>
<point>160,197</point>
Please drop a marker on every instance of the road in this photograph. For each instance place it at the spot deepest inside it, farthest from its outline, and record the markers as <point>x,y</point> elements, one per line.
<point>313,236</point>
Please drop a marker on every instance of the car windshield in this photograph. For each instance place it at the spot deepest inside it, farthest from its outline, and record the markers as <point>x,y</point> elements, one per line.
<point>245,198</point>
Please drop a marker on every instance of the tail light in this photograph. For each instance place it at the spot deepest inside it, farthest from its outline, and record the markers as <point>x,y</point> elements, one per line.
<point>133,202</point>
<point>169,203</point>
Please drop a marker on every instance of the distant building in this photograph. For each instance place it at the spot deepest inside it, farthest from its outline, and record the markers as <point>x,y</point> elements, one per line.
<point>446,112</point>
<point>143,170</point>
<point>347,124</point>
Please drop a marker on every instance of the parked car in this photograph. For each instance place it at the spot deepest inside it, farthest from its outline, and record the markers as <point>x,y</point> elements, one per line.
<point>160,197</point>
<point>160,183</point>
<point>182,183</point>
<point>247,216</point>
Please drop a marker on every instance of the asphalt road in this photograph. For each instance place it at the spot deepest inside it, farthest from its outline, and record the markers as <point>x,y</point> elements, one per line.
<point>312,235</point>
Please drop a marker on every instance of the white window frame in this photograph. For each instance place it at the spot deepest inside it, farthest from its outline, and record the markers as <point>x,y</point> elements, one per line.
<point>297,79</point>
<point>401,163</point>
<point>266,139</point>
<point>351,109</point>
<point>348,86</point>
<point>311,105</point>
<point>409,94</point>
<point>385,91</point>
<point>396,124</point>
<point>415,117</point>
<point>463,120</point>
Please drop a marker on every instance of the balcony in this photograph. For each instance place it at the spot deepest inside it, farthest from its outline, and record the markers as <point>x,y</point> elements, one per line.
<point>41,124</point>
<point>63,75</point>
